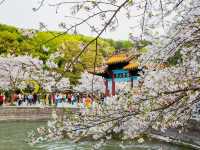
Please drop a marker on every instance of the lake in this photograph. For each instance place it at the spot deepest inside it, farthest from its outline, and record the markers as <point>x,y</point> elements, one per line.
<point>13,135</point>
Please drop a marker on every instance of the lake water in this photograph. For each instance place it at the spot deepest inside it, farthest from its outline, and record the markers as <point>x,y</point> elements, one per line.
<point>13,135</point>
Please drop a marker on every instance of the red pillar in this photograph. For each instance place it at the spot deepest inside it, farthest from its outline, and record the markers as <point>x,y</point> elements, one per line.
<point>131,82</point>
<point>106,90</point>
<point>113,84</point>
<point>130,75</point>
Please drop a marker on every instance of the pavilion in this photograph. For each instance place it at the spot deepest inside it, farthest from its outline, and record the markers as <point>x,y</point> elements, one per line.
<point>118,69</point>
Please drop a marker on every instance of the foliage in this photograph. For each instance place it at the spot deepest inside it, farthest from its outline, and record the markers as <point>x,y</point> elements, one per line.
<point>140,45</point>
<point>120,44</point>
<point>17,42</point>
<point>9,42</point>
<point>30,42</point>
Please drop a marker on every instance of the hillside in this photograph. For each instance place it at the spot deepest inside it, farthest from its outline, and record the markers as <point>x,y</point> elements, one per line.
<point>15,41</point>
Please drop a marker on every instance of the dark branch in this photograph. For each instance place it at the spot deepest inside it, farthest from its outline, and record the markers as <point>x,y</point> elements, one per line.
<point>1,2</point>
<point>40,5</point>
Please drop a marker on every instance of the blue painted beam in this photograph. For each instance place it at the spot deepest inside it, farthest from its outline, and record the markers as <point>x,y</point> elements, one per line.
<point>124,79</point>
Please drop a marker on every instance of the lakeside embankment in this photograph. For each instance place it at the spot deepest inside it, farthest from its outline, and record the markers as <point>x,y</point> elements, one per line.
<point>12,113</point>
<point>189,138</point>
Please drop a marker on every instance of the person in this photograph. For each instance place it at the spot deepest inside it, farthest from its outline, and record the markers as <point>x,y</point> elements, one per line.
<point>64,98</point>
<point>53,97</point>
<point>78,98</point>
<point>72,99</point>
<point>38,98</point>
<point>49,99</point>
<point>46,99</point>
<point>69,98</point>
<point>30,99</point>
<point>88,102</point>
<point>1,99</point>
<point>34,98</point>
<point>75,99</point>
<point>14,97</point>
<point>56,99</point>
<point>19,99</point>
<point>25,99</point>
<point>83,100</point>
<point>60,97</point>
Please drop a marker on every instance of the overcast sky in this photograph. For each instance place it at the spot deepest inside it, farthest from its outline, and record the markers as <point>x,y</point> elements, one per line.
<point>19,13</point>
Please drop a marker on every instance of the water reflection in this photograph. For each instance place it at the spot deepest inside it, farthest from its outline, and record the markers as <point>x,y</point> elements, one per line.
<point>13,135</point>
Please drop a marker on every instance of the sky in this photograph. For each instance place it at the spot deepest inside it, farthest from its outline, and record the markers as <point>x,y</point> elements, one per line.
<point>19,13</point>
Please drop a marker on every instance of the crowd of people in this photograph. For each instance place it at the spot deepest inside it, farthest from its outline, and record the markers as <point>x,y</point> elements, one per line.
<point>59,99</point>
<point>19,99</point>
<point>49,99</point>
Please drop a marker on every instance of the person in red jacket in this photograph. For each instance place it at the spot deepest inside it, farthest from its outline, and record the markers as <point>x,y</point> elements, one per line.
<point>69,98</point>
<point>1,99</point>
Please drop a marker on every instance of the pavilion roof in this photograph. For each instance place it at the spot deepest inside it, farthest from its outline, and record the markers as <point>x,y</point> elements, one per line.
<point>120,56</point>
<point>117,58</point>
<point>131,66</point>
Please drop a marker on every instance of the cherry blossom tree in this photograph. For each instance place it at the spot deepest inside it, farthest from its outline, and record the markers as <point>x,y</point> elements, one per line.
<point>14,70</point>
<point>165,96</point>
<point>17,71</point>
<point>90,83</point>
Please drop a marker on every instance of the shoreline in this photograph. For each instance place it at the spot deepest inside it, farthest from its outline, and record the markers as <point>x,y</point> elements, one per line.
<point>190,138</point>
<point>175,141</point>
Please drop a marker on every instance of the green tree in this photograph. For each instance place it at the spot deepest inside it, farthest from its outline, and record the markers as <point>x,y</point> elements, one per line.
<point>15,41</point>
